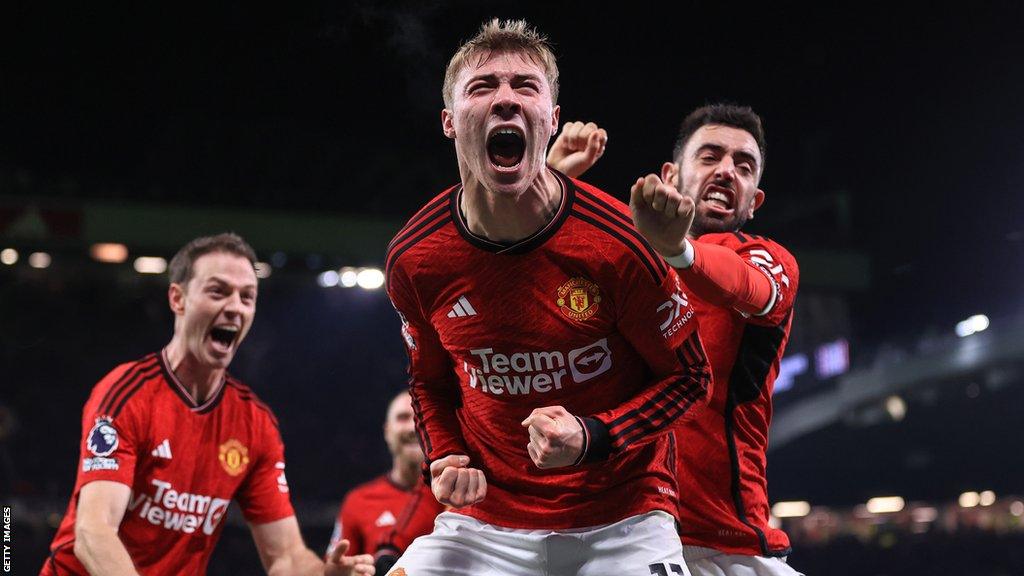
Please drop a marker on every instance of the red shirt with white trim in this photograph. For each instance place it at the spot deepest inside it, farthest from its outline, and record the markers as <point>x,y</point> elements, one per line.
<point>184,462</point>
<point>582,314</point>
<point>724,502</point>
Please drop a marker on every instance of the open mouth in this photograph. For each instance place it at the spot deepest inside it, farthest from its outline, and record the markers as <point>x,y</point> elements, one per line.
<point>719,198</point>
<point>224,336</point>
<point>506,147</point>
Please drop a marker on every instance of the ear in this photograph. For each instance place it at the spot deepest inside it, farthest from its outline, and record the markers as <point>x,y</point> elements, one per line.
<point>448,123</point>
<point>556,112</point>
<point>176,299</point>
<point>758,200</point>
<point>670,174</point>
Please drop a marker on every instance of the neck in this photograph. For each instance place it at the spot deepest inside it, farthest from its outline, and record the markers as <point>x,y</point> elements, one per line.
<point>510,217</point>
<point>198,379</point>
<point>404,473</point>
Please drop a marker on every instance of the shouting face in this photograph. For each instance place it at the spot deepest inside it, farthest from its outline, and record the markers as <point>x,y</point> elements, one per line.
<point>215,308</point>
<point>719,168</point>
<point>501,119</point>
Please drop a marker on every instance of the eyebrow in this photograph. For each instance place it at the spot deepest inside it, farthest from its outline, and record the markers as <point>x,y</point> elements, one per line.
<point>741,154</point>
<point>220,280</point>
<point>494,77</point>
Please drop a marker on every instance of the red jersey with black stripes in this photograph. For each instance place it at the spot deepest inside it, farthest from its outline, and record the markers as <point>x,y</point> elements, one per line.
<point>382,513</point>
<point>582,314</point>
<point>184,462</point>
<point>724,491</point>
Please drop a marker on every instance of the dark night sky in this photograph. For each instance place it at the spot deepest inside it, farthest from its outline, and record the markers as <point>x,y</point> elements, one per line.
<point>915,118</point>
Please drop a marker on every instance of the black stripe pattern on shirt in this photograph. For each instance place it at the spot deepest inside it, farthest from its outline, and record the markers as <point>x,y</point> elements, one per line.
<point>144,363</point>
<point>245,393</point>
<point>671,402</point>
<point>601,225</point>
<point>131,382</point>
<point>625,223</point>
<point>411,236</point>
<point>418,220</point>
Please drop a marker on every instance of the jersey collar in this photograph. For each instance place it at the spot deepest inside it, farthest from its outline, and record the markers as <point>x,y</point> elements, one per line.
<point>182,392</point>
<point>520,246</point>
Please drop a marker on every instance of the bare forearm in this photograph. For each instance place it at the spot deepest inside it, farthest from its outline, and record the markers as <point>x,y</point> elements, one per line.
<point>300,562</point>
<point>101,552</point>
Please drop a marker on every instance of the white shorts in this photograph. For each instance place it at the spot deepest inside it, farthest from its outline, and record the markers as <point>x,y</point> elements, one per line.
<point>459,545</point>
<point>711,562</point>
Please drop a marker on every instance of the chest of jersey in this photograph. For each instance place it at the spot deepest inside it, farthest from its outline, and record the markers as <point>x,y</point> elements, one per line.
<point>537,327</point>
<point>189,467</point>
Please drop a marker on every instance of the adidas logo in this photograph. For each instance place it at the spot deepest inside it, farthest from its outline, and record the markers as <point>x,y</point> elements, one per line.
<point>163,450</point>
<point>462,308</point>
<point>386,519</point>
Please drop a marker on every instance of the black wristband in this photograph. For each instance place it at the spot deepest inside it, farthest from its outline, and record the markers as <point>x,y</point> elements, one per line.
<point>597,443</point>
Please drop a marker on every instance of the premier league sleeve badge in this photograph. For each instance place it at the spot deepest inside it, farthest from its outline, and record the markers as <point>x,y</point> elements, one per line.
<point>102,442</point>
<point>102,438</point>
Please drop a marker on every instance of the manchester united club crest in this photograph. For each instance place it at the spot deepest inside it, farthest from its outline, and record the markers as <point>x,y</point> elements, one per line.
<point>234,457</point>
<point>579,298</point>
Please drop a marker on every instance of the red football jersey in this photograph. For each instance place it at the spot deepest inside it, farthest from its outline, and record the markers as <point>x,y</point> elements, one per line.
<point>724,502</point>
<point>382,513</point>
<point>184,463</point>
<point>582,314</point>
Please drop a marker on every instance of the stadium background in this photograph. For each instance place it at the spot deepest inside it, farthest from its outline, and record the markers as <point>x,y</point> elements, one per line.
<point>896,154</point>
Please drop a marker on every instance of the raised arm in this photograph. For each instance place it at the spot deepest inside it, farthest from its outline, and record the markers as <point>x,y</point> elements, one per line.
<point>714,273</point>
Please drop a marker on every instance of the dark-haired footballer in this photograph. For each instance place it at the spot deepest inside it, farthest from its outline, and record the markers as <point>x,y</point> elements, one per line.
<point>743,285</point>
<point>168,441</point>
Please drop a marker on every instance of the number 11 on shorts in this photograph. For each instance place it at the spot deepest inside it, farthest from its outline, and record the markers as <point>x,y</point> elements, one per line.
<point>662,569</point>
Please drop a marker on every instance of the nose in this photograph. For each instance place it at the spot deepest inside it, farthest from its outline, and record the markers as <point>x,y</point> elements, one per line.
<point>726,169</point>
<point>233,305</point>
<point>506,102</point>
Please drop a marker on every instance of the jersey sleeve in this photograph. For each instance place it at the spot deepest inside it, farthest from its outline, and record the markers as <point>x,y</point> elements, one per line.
<point>769,260</point>
<point>264,497</point>
<point>111,431</point>
<point>660,324</point>
<point>433,384</point>
<point>722,278</point>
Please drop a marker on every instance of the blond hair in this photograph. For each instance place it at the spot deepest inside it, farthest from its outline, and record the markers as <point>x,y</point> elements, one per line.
<point>508,36</point>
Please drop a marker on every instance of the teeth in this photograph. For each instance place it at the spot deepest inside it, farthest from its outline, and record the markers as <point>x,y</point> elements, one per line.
<point>228,328</point>
<point>510,131</point>
<point>718,196</point>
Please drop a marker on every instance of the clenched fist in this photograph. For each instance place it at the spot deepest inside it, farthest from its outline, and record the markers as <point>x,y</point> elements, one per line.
<point>661,214</point>
<point>455,485</point>
<point>577,148</point>
<point>556,437</point>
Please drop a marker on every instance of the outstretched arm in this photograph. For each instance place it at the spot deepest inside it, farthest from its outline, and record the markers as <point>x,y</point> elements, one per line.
<point>714,273</point>
<point>283,553</point>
